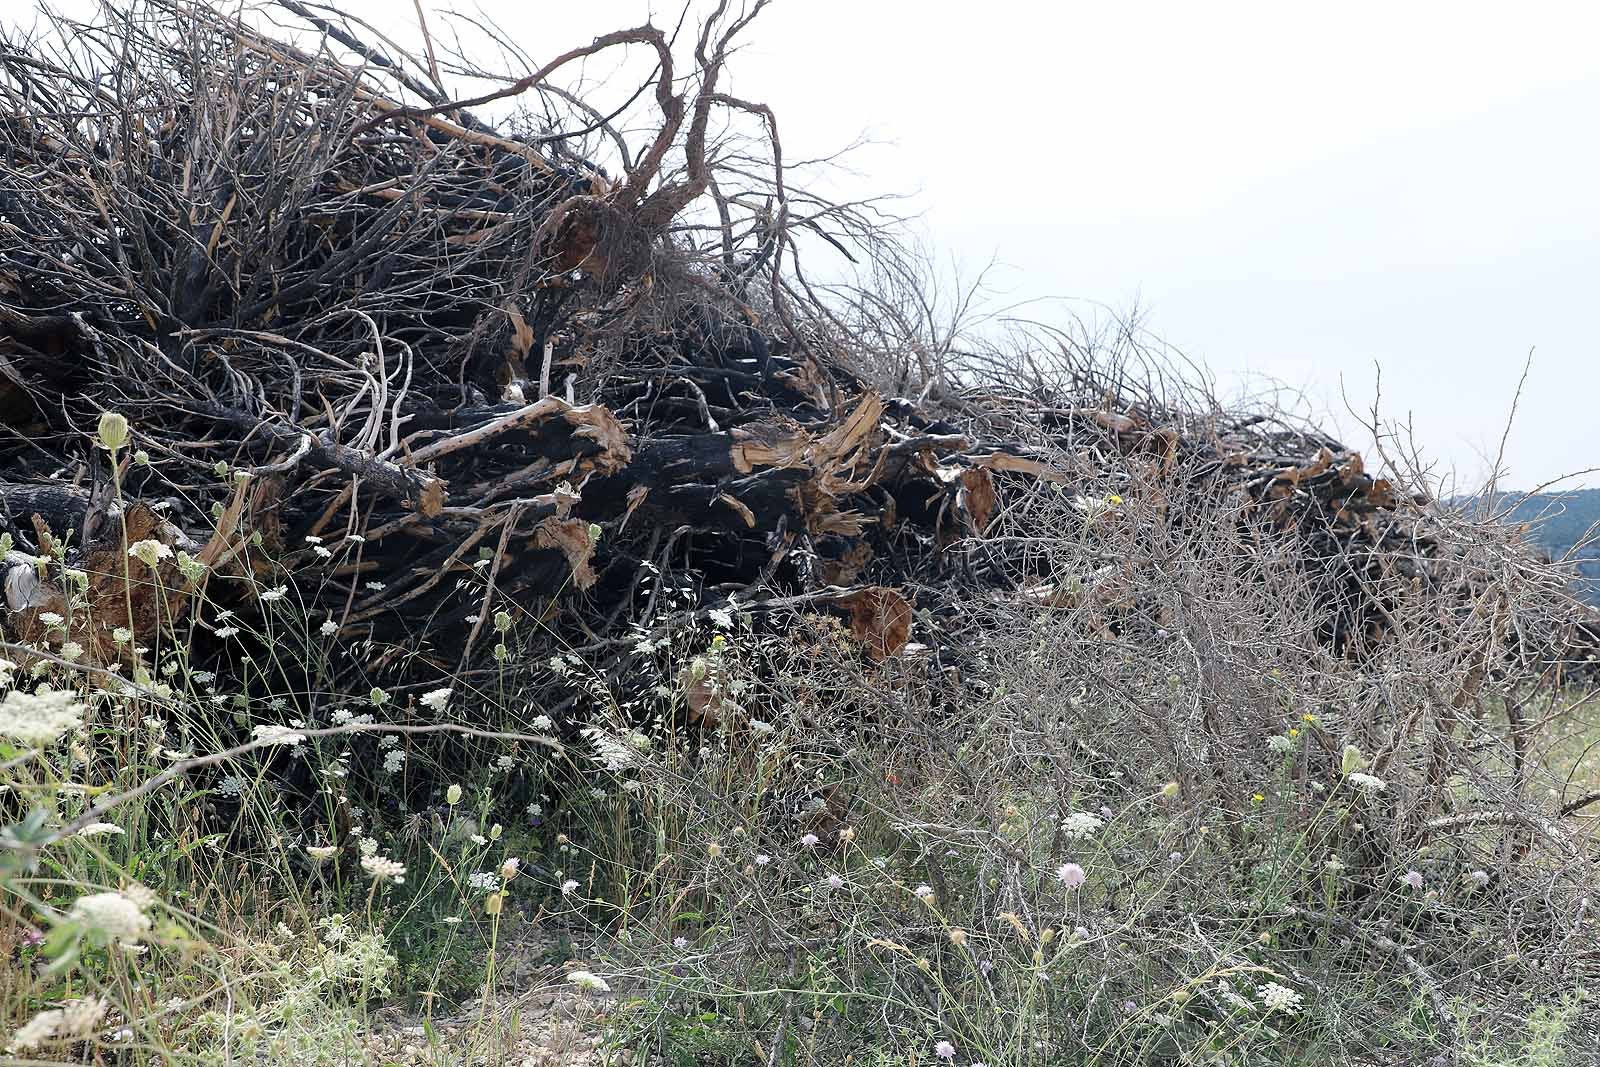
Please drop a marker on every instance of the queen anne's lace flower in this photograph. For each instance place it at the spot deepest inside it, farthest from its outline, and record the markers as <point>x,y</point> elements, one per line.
<point>74,1019</point>
<point>589,981</point>
<point>1275,997</point>
<point>436,699</point>
<point>118,916</point>
<point>1081,824</point>
<point>1368,783</point>
<point>40,717</point>
<point>149,552</point>
<point>272,733</point>
<point>383,869</point>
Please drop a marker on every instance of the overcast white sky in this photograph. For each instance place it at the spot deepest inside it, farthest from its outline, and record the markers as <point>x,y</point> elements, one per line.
<point>1288,191</point>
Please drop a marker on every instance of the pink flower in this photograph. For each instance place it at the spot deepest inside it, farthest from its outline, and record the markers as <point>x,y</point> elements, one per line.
<point>1412,879</point>
<point>944,1050</point>
<point>1071,875</point>
<point>809,841</point>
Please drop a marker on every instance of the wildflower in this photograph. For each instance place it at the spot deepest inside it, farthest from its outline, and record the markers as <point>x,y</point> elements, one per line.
<point>714,850</point>
<point>381,869</point>
<point>116,916</point>
<point>1170,790</point>
<point>149,552</point>
<point>95,829</point>
<point>1072,875</point>
<point>1334,864</point>
<point>1280,744</point>
<point>721,618</point>
<point>925,894</point>
<point>1081,824</point>
<point>763,859</point>
<point>453,920</point>
<point>494,903</point>
<point>122,635</point>
<point>226,631</point>
<point>1367,783</point>
<point>51,618</point>
<point>588,981</point>
<point>1275,997</point>
<point>322,553</point>
<point>378,697</point>
<point>273,734</point>
<point>39,717</point>
<point>112,430</point>
<point>1476,878</point>
<point>1081,933</point>
<point>1351,760</point>
<point>958,937</point>
<point>569,887</point>
<point>1412,879</point>
<point>322,853</point>
<point>680,943</point>
<point>761,728</point>
<point>847,835</point>
<point>436,699</point>
<point>452,796</point>
<point>74,1019</point>
<point>328,628</point>
<point>809,841</point>
<point>835,882</point>
<point>483,880</point>
<point>508,869</point>
<point>944,1050</point>
<point>71,650</point>
<point>1014,920</point>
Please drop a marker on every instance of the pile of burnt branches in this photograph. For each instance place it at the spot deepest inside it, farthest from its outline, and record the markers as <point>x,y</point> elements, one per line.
<point>413,368</point>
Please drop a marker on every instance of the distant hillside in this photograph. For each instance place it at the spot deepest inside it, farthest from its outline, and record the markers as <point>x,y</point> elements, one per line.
<point>1557,522</point>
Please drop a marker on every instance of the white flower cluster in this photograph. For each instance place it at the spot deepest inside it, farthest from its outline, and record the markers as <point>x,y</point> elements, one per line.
<point>40,717</point>
<point>118,916</point>
<point>273,734</point>
<point>1081,824</point>
<point>74,1020</point>
<point>149,552</point>
<point>1367,783</point>
<point>381,869</point>
<point>589,981</point>
<point>1275,997</point>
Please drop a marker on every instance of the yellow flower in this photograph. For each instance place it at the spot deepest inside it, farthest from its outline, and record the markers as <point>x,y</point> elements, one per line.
<point>1114,500</point>
<point>1294,731</point>
<point>1258,799</point>
<point>1310,718</point>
